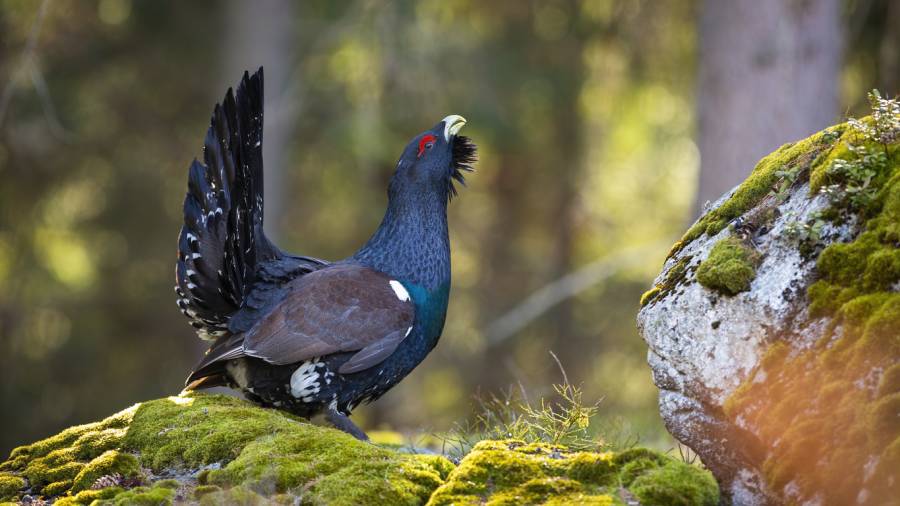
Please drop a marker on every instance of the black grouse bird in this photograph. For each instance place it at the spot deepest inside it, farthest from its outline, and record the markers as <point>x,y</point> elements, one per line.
<point>298,333</point>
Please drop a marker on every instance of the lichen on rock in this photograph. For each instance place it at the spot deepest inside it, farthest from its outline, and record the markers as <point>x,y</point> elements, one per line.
<point>789,388</point>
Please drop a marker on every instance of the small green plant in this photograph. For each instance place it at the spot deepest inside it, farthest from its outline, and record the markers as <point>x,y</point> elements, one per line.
<point>564,420</point>
<point>856,191</point>
<point>855,178</point>
<point>787,176</point>
<point>807,235</point>
<point>885,126</point>
<point>687,455</point>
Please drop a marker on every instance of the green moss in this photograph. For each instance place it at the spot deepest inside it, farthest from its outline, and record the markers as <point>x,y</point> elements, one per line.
<point>795,158</point>
<point>142,496</point>
<point>675,484</point>
<point>51,465</point>
<point>237,495</point>
<point>819,176</point>
<point>857,310</point>
<point>882,270</point>
<point>650,295</point>
<point>89,496</point>
<point>510,472</point>
<point>676,276</point>
<point>108,463</point>
<point>57,488</point>
<point>199,430</point>
<point>265,451</point>
<point>10,486</point>
<point>202,490</point>
<point>269,457</point>
<point>890,381</point>
<point>885,417</point>
<point>592,468</point>
<point>540,490</point>
<point>729,268</point>
<point>845,263</point>
<point>882,330</point>
<point>632,470</point>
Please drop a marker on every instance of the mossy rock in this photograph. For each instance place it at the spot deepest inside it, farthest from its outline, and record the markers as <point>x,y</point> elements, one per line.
<point>789,391</point>
<point>843,390</point>
<point>801,157</point>
<point>512,472</point>
<point>222,450</point>
<point>264,452</point>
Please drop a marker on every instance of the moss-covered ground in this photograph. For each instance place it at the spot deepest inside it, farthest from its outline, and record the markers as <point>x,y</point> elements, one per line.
<point>262,451</point>
<point>511,473</point>
<point>830,414</point>
<point>215,449</point>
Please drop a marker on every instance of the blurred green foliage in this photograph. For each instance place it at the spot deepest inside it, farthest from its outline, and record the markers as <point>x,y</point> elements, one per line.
<point>583,111</point>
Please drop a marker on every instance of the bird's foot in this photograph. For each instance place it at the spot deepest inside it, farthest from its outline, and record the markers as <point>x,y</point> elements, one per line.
<point>343,422</point>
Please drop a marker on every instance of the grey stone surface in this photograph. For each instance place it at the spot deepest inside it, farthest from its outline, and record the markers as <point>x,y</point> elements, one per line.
<point>703,345</point>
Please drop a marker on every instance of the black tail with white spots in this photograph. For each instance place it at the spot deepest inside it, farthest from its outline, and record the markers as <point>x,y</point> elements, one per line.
<point>222,240</point>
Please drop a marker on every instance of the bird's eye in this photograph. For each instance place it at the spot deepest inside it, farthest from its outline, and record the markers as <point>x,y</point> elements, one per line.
<point>426,142</point>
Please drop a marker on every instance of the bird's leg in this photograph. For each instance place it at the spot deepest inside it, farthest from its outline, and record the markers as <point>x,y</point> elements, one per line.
<point>343,422</point>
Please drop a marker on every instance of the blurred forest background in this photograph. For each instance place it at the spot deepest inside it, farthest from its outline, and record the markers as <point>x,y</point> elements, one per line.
<point>604,127</point>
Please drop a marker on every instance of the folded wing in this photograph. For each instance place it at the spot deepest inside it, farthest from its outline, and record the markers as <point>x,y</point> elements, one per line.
<point>341,308</point>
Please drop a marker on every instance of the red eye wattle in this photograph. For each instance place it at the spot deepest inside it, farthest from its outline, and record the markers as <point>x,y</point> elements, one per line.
<point>426,142</point>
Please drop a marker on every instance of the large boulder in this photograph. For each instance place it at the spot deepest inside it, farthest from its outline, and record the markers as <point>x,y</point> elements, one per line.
<point>221,450</point>
<point>774,327</point>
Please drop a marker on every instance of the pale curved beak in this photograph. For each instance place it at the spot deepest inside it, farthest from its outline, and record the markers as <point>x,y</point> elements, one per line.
<point>452,125</point>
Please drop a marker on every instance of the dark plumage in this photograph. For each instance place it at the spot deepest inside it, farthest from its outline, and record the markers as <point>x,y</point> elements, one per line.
<point>299,333</point>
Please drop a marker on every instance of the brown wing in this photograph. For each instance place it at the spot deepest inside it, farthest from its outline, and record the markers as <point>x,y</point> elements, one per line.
<point>340,308</point>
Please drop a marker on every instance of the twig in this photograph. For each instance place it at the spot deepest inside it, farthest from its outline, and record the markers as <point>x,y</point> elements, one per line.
<point>25,59</point>
<point>561,369</point>
<point>551,294</point>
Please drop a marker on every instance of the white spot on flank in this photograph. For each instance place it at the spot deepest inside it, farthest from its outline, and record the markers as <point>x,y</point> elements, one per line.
<point>195,255</point>
<point>305,380</point>
<point>258,144</point>
<point>407,332</point>
<point>401,292</point>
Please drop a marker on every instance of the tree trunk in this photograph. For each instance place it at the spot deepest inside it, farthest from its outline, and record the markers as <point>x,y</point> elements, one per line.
<point>261,34</point>
<point>889,53</point>
<point>769,72</point>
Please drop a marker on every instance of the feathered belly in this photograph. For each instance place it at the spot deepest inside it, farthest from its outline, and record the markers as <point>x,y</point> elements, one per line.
<point>309,387</point>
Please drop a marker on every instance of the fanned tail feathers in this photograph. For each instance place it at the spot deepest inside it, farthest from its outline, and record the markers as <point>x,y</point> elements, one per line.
<point>222,239</point>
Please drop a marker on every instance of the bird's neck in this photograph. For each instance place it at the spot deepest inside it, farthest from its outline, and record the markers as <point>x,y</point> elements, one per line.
<point>412,242</point>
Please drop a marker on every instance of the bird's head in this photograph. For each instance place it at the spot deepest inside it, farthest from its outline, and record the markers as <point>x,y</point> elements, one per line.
<point>433,160</point>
